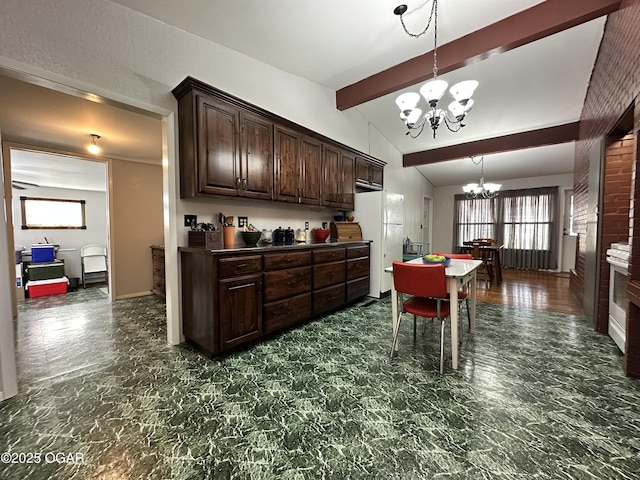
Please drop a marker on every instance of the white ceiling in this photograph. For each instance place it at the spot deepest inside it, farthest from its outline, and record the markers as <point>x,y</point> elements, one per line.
<point>336,43</point>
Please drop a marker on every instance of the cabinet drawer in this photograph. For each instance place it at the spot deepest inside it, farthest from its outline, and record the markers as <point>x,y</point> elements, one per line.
<point>286,283</point>
<point>328,274</point>
<point>157,255</point>
<point>355,252</point>
<point>278,261</point>
<point>158,270</point>
<point>234,266</point>
<point>328,299</point>
<point>325,255</point>
<point>358,267</point>
<point>287,312</point>
<point>357,288</point>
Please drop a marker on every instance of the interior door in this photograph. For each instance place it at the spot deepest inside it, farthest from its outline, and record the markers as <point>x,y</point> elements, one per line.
<point>592,240</point>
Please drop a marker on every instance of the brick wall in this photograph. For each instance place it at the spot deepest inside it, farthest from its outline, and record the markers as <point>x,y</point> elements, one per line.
<point>614,85</point>
<point>616,195</point>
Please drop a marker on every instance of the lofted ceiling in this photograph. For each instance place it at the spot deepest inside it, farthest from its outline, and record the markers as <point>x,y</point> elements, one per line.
<point>336,44</point>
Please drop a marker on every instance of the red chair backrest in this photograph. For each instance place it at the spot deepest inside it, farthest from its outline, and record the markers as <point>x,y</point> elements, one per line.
<point>420,280</point>
<point>457,256</point>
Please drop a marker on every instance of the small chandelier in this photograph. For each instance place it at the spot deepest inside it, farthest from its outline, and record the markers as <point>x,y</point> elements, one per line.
<point>433,91</point>
<point>482,190</point>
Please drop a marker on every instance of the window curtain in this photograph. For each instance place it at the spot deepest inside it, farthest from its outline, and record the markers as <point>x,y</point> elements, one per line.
<point>525,221</point>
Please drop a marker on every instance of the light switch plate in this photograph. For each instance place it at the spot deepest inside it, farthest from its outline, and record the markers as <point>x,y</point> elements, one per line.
<point>243,221</point>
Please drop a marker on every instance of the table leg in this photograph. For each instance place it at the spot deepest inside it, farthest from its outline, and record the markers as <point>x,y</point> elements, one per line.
<point>472,300</point>
<point>453,296</point>
<point>394,312</point>
<point>498,268</point>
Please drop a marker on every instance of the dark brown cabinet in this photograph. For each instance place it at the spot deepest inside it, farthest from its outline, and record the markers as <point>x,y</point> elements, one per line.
<point>240,310</point>
<point>224,149</point>
<point>368,174</point>
<point>338,186</point>
<point>297,167</point>
<point>229,147</point>
<point>234,299</point>
<point>157,258</point>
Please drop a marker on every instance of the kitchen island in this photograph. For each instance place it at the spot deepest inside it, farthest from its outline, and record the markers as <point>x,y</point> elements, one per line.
<point>234,297</point>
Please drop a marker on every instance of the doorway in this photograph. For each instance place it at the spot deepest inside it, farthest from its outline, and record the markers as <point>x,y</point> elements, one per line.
<point>39,174</point>
<point>426,221</point>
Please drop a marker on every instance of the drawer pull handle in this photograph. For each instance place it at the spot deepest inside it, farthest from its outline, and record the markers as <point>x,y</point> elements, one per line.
<point>246,285</point>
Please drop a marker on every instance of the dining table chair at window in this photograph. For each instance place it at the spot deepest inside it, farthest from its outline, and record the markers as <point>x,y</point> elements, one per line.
<point>426,286</point>
<point>482,249</point>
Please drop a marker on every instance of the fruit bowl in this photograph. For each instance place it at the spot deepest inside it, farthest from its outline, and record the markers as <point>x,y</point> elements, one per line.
<point>320,234</point>
<point>251,238</point>
<point>435,261</point>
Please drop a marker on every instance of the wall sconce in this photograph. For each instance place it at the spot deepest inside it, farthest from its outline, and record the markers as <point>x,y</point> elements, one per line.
<point>93,146</point>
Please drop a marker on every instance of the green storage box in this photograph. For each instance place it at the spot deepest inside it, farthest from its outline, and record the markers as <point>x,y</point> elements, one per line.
<point>45,271</point>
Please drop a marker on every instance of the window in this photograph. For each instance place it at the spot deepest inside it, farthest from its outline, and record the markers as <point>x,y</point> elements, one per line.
<point>52,213</point>
<point>524,221</point>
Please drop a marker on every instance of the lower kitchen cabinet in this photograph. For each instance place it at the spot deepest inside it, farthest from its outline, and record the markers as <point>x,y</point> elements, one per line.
<point>240,310</point>
<point>233,299</point>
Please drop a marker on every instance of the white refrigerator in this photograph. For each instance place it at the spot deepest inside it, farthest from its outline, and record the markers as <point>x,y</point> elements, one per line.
<point>380,215</point>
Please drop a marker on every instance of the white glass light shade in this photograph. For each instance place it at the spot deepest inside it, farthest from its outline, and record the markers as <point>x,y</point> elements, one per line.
<point>412,117</point>
<point>492,187</point>
<point>434,90</point>
<point>407,101</point>
<point>463,90</point>
<point>457,109</point>
<point>471,187</point>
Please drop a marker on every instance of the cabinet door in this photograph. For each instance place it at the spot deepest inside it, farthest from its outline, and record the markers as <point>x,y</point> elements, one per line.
<point>287,168</point>
<point>240,311</point>
<point>347,194</point>
<point>377,173</point>
<point>363,172</point>
<point>218,162</point>
<point>256,172</point>
<point>331,176</point>
<point>311,156</point>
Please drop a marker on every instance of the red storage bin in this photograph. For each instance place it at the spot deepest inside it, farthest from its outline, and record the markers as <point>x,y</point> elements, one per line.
<point>38,289</point>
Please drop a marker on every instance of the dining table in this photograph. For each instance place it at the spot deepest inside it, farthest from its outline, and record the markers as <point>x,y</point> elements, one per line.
<point>459,273</point>
<point>482,250</point>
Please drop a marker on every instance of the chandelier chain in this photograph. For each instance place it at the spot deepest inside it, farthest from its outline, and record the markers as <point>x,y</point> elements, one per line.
<point>434,12</point>
<point>431,15</point>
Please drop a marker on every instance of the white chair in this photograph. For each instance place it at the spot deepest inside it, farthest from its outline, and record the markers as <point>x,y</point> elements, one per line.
<point>94,264</point>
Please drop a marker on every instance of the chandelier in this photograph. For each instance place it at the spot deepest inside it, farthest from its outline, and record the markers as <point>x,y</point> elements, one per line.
<point>433,91</point>
<point>482,190</point>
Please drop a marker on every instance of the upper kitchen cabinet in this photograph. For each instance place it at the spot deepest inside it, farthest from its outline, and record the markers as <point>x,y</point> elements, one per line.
<point>224,149</point>
<point>369,174</point>
<point>229,147</point>
<point>338,186</point>
<point>297,167</point>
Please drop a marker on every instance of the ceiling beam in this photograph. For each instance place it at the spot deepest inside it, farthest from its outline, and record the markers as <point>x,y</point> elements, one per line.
<point>515,141</point>
<point>542,20</point>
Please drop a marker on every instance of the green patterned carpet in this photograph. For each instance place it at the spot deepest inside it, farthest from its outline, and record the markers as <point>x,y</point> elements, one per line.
<point>538,396</point>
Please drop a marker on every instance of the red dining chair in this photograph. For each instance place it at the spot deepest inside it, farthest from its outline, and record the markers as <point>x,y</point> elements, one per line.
<point>427,287</point>
<point>463,295</point>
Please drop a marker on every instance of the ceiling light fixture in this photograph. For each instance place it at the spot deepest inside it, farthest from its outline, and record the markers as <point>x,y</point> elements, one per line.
<point>433,90</point>
<point>482,190</point>
<point>93,146</point>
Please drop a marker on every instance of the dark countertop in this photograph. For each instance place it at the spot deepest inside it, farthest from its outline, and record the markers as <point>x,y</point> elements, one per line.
<point>271,248</point>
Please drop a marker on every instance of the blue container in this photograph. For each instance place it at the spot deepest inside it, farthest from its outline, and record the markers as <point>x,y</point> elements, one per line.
<point>42,253</point>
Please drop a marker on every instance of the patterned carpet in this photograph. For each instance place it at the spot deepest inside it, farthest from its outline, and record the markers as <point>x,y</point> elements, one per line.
<point>538,395</point>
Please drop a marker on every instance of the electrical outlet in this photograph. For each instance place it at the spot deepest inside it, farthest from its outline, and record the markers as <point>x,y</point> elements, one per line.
<point>189,219</point>
<point>306,225</point>
<point>243,221</point>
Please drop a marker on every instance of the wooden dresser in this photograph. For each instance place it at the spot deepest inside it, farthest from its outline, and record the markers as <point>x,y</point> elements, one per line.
<point>157,255</point>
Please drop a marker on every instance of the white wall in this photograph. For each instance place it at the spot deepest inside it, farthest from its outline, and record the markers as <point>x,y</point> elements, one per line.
<point>96,231</point>
<point>443,205</point>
